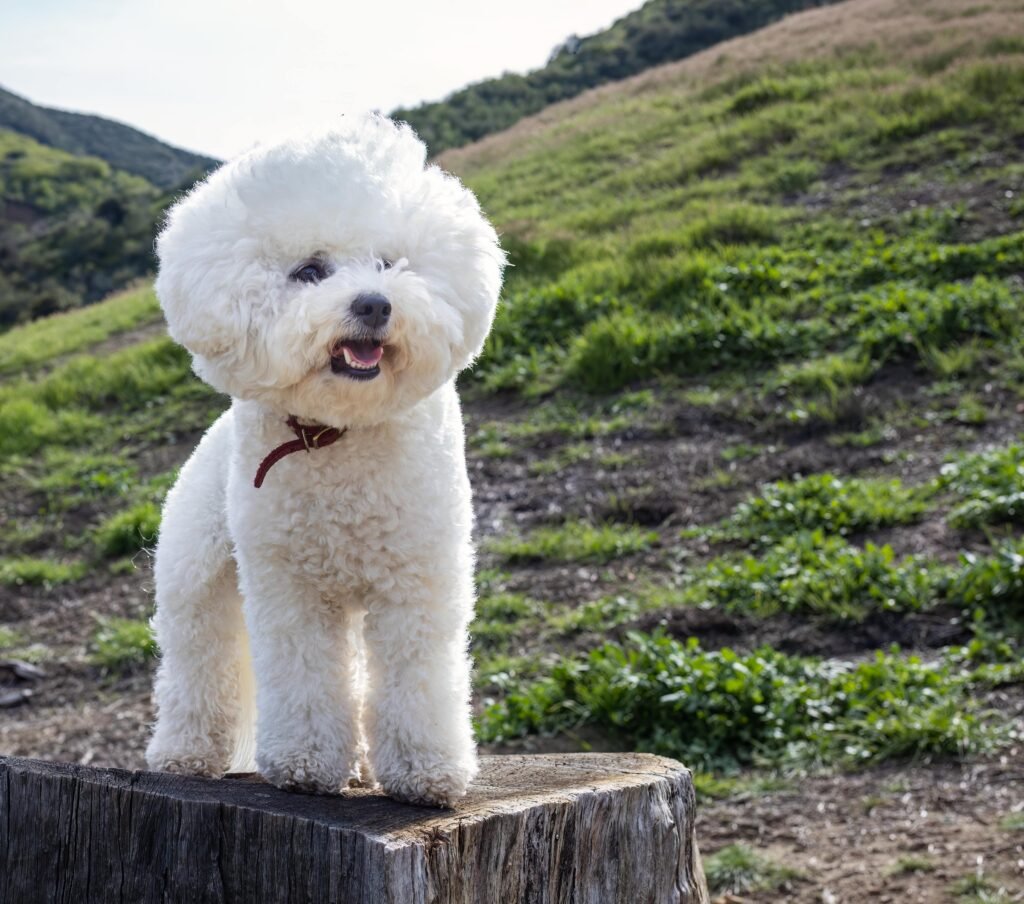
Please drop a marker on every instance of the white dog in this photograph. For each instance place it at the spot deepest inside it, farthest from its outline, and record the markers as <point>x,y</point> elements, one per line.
<point>333,286</point>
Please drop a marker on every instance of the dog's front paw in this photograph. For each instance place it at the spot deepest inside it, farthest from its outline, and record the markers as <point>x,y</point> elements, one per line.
<point>209,765</point>
<point>438,786</point>
<point>309,772</point>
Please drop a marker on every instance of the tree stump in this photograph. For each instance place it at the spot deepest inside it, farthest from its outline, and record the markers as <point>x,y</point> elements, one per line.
<point>594,828</point>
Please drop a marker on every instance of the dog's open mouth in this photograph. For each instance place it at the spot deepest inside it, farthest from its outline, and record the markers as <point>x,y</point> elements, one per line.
<point>357,358</point>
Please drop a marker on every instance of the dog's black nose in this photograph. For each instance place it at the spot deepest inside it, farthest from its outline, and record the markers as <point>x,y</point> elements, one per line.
<point>372,309</point>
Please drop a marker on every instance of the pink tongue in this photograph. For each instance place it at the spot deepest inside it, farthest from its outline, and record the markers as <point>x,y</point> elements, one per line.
<point>366,354</point>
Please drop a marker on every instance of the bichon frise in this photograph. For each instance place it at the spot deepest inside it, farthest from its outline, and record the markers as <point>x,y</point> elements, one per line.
<point>317,543</point>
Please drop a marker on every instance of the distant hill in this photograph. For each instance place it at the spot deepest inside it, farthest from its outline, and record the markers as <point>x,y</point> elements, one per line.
<point>661,31</point>
<point>72,228</point>
<point>121,146</point>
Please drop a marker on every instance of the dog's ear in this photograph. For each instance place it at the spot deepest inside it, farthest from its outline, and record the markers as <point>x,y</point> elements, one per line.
<point>479,288</point>
<point>194,319</point>
<point>205,276</point>
<point>476,277</point>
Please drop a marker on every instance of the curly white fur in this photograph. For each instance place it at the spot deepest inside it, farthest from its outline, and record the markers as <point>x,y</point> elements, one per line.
<point>349,573</point>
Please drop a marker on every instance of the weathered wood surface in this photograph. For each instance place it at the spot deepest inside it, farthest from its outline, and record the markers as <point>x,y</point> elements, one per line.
<point>594,828</point>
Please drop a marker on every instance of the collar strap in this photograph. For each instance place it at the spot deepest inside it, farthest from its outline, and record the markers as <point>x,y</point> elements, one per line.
<point>308,437</point>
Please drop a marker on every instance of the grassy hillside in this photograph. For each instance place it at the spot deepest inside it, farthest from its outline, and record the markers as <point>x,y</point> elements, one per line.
<point>658,32</point>
<point>72,229</point>
<point>705,219</point>
<point>121,146</point>
<point>746,446</point>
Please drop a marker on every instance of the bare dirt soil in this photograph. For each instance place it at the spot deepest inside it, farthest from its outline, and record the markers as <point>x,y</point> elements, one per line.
<point>893,835</point>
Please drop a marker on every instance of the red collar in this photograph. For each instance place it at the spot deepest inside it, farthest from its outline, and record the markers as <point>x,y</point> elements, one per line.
<point>310,436</point>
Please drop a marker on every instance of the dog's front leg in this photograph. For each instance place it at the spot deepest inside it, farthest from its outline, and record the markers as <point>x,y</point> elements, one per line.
<point>307,734</point>
<point>417,714</point>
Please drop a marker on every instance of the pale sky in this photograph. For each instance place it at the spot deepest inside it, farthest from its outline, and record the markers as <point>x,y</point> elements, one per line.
<point>214,76</point>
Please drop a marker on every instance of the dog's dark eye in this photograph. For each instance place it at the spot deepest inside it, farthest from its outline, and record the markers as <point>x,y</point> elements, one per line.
<point>384,264</point>
<point>310,272</point>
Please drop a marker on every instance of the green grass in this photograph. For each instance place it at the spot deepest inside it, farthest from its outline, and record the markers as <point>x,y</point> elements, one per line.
<point>122,644</point>
<point>63,334</point>
<point>69,478</point>
<point>739,870</point>
<point>562,459</point>
<point>909,864</point>
<point>977,888</point>
<point>720,786</point>
<point>1012,822</point>
<point>817,575</point>
<point>574,541</point>
<point>67,406</point>
<point>744,451</point>
<point>9,638</point>
<point>500,619</point>
<point>35,572</point>
<point>129,531</point>
<point>601,614</point>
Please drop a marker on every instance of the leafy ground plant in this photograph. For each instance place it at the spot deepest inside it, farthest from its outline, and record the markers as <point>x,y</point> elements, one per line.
<point>814,573</point>
<point>825,502</point>
<point>993,584</point>
<point>720,709</point>
<point>990,486</point>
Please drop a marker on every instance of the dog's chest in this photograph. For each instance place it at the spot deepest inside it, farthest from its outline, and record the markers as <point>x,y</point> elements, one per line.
<point>358,510</point>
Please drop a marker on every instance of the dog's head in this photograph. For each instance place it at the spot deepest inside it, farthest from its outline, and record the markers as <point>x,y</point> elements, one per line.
<point>337,277</point>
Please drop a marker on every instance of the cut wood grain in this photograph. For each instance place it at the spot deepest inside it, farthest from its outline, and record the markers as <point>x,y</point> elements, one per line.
<point>593,828</point>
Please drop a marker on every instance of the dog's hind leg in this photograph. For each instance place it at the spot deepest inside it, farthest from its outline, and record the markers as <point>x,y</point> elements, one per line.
<point>202,682</point>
